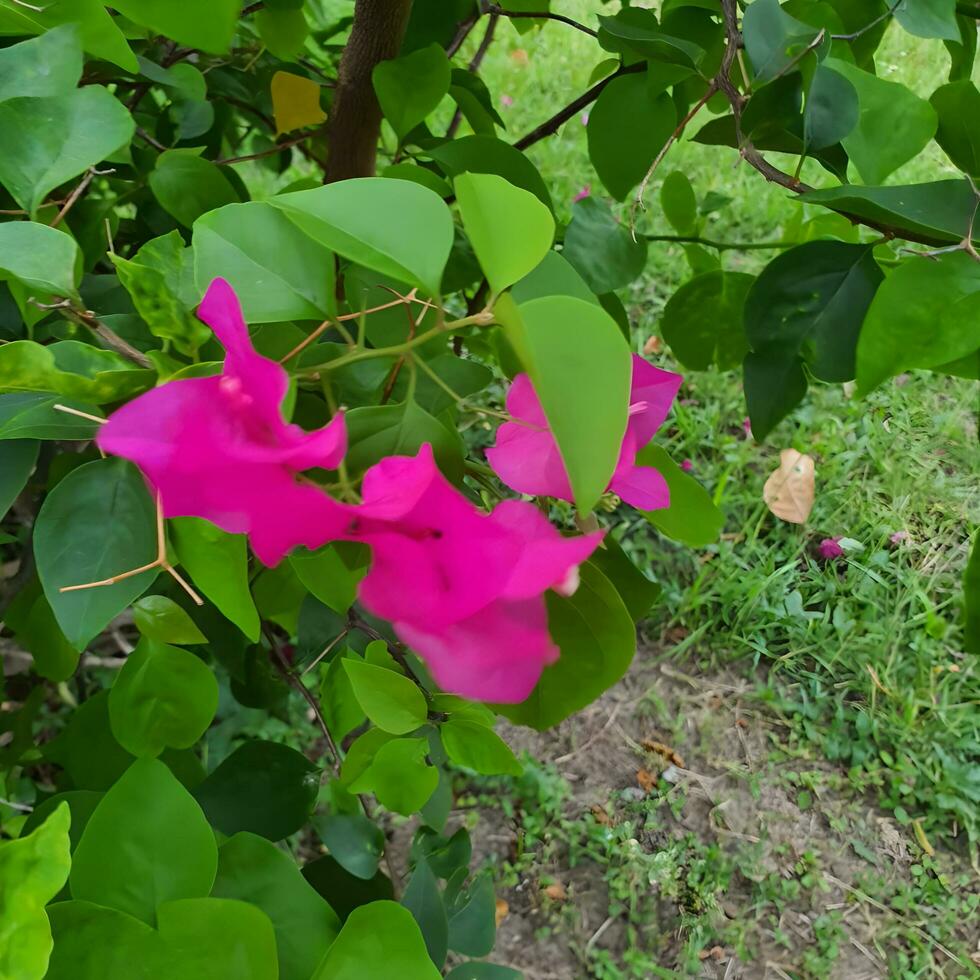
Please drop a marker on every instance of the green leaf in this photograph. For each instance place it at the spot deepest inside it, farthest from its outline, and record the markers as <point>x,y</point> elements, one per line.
<point>702,321</point>
<point>331,573</point>
<point>32,415</point>
<point>17,460</point>
<point>188,186</point>
<point>971,593</point>
<point>399,776</point>
<point>283,32</point>
<point>924,314</point>
<point>81,803</point>
<point>209,27</point>
<point>583,384</point>
<point>343,890</point>
<point>939,211</point>
<point>58,138</point>
<point>637,591</point>
<point>378,431</point>
<point>692,516</point>
<point>278,272</point>
<point>160,618</point>
<point>146,843</point>
<point>357,953</point>
<point>626,130</point>
<point>477,747</point>
<point>98,521</point>
<point>929,18</point>
<point>509,228</point>
<point>163,697</point>
<point>356,842</point>
<point>488,155</point>
<point>265,788</point>
<point>49,65</point>
<point>472,918</point>
<point>831,109</point>
<point>38,257</point>
<point>353,218</point>
<point>72,368</point>
<point>340,709</point>
<point>217,939</point>
<point>389,699</point>
<point>33,622</point>
<point>773,39</point>
<point>600,249</point>
<point>807,305</point>
<point>99,34</point>
<point>423,900</point>
<point>679,204</point>
<point>474,101</point>
<point>410,87</point>
<point>32,871</point>
<point>250,869</point>
<point>154,278</point>
<point>444,855</point>
<point>635,31</point>
<point>218,564</point>
<point>894,124</point>
<point>958,109</point>
<point>595,634</point>
<point>554,275</point>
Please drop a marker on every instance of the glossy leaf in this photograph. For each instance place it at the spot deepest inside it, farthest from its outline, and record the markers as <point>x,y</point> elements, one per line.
<point>423,899</point>
<point>356,842</point>
<point>30,617</point>
<point>97,522</point>
<point>477,747</point>
<point>389,699</point>
<point>277,272</point>
<point>265,788</point>
<point>164,697</point>
<point>252,870</point>
<point>81,803</point>
<point>17,459</point>
<point>357,953</point>
<point>283,32</point>
<point>341,889</point>
<point>209,28</point>
<point>39,257</point>
<point>160,618</point>
<point>509,228</point>
<point>134,865</point>
<point>637,591</point>
<point>331,573</point>
<point>600,249</point>
<point>958,108</point>
<point>399,776</point>
<point>773,38</point>
<point>626,131</point>
<point>702,321</point>
<point>929,18</point>
<point>187,185</point>
<point>925,314</point>
<point>595,634</point>
<point>58,138</point>
<point>411,86</point>
<point>354,220</point>
<point>32,871</point>
<point>472,919</point>
<point>32,415</point>
<point>692,516</point>
<point>48,65</point>
<point>680,206</point>
<point>893,127</point>
<point>831,109</point>
<point>636,31</point>
<point>583,385</point>
<point>218,564</point>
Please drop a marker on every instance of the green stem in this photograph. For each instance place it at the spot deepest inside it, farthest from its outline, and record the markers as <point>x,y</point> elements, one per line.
<point>720,246</point>
<point>455,395</point>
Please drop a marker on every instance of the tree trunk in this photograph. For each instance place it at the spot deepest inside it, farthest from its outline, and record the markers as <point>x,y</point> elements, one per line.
<point>355,117</point>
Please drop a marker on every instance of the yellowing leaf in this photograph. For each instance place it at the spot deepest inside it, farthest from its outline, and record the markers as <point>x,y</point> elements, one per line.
<point>788,492</point>
<point>295,102</point>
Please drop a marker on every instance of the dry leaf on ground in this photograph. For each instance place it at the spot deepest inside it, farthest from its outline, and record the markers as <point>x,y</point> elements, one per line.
<point>674,758</point>
<point>556,892</point>
<point>646,780</point>
<point>501,911</point>
<point>788,492</point>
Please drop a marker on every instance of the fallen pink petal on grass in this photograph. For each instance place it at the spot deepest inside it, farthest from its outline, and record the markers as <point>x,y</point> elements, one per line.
<point>829,548</point>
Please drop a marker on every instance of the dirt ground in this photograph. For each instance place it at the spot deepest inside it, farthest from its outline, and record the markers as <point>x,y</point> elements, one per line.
<point>734,772</point>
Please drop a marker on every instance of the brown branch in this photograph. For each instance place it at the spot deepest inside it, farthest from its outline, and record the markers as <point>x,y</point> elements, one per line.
<point>495,8</point>
<point>473,67</point>
<point>355,116</point>
<point>147,138</point>
<point>462,33</point>
<point>278,148</point>
<point>251,8</point>
<point>88,319</point>
<point>90,175</point>
<point>551,126</point>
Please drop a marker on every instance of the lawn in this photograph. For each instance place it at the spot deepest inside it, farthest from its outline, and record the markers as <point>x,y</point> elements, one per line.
<point>809,804</point>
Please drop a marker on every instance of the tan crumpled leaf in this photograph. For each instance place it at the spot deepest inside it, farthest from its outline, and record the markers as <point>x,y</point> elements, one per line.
<point>788,492</point>
<point>501,911</point>
<point>295,102</point>
<point>556,892</point>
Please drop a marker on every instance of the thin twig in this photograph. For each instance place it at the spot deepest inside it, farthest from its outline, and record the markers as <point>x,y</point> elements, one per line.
<point>474,67</point>
<point>462,33</point>
<point>278,148</point>
<point>83,184</point>
<point>854,35</point>
<point>147,138</point>
<point>494,8</point>
<point>720,246</point>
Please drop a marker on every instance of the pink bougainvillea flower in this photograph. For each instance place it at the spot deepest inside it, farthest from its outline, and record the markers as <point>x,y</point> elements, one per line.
<point>585,192</point>
<point>525,455</point>
<point>464,589</point>
<point>218,447</point>
<point>687,466</point>
<point>747,427</point>
<point>829,548</point>
<point>584,119</point>
<point>898,537</point>
<point>506,101</point>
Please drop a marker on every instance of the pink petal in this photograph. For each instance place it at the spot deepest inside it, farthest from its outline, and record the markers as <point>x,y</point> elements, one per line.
<point>642,487</point>
<point>495,655</point>
<point>654,390</point>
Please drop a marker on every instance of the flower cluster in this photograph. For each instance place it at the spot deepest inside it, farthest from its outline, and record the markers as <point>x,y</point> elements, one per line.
<point>463,588</point>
